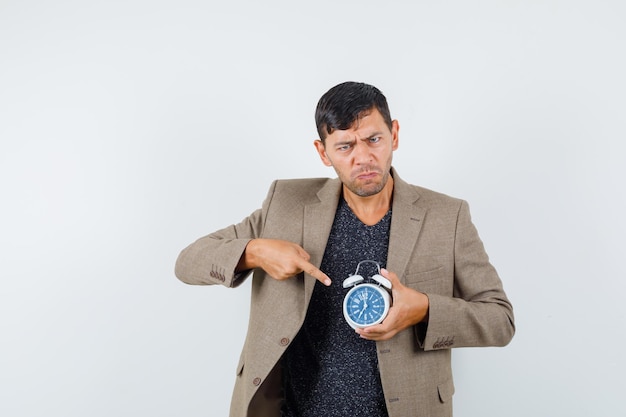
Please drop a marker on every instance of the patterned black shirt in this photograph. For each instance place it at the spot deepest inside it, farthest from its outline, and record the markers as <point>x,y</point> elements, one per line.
<point>328,369</point>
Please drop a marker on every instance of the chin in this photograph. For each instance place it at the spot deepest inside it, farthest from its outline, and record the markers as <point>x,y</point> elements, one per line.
<point>368,191</point>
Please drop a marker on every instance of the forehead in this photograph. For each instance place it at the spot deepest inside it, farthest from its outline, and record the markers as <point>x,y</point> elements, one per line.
<point>367,124</point>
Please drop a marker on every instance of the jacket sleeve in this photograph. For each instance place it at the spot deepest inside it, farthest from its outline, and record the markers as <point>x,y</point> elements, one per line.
<point>479,312</point>
<point>212,259</point>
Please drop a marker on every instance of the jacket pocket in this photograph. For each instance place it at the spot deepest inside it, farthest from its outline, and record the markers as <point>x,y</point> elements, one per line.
<point>446,391</point>
<point>428,275</point>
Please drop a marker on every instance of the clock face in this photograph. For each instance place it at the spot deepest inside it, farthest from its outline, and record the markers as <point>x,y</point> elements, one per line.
<point>366,305</point>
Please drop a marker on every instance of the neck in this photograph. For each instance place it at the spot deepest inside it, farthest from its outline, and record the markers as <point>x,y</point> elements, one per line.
<point>371,209</point>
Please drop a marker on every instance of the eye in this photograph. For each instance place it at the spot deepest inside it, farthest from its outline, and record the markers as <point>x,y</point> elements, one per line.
<point>375,139</point>
<point>343,148</point>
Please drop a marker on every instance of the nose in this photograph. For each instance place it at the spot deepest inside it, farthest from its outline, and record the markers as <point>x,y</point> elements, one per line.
<point>362,154</point>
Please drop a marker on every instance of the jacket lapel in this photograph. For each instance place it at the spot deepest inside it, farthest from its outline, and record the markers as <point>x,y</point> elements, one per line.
<point>318,221</point>
<point>406,222</point>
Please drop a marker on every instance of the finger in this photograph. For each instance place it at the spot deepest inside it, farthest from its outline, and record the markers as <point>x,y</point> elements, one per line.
<point>377,332</point>
<point>391,276</point>
<point>310,269</point>
<point>371,331</point>
<point>303,254</point>
<point>396,285</point>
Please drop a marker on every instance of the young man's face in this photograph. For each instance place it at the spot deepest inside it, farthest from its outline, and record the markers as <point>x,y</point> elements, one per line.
<point>361,155</point>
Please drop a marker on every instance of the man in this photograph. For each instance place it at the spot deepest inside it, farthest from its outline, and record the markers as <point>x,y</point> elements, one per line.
<point>300,357</point>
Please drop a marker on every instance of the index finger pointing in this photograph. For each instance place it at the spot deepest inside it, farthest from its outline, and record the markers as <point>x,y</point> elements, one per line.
<point>310,269</point>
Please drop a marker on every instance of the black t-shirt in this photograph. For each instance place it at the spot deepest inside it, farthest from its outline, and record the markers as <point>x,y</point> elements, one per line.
<point>328,369</point>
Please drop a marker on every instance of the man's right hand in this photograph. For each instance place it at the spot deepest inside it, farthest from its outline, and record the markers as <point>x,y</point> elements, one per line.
<point>281,259</point>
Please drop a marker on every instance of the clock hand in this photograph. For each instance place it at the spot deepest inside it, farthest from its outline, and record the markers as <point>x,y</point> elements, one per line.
<point>364,308</point>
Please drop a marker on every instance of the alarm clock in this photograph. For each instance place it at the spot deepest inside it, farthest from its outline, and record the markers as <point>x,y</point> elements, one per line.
<point>367,303</point>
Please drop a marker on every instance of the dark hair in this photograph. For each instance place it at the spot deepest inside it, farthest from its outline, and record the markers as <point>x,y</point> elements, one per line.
<point>345,103</point>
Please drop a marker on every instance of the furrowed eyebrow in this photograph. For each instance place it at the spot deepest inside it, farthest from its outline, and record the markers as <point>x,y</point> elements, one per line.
<point>373,135</point>
<point>351,141</point>
<point>344,142</point>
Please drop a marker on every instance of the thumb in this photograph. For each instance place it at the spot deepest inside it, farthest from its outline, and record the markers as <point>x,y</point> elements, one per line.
<point>391,276</point>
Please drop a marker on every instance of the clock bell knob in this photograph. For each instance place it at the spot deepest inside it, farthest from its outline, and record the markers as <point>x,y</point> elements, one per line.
<point>382,281</point>
<point>352,280</point>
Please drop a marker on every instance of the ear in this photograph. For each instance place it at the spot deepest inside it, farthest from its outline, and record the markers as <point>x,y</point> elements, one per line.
<point>395,129</point>
<point>321,150</point>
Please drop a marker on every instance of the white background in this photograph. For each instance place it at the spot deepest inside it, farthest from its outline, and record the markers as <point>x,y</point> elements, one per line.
<point>130,128</point>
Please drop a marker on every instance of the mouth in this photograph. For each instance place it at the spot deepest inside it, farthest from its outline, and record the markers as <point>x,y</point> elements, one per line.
<point>368,175</point>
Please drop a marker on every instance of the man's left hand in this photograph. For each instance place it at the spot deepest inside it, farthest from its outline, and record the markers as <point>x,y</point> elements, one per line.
<point>408,308</point>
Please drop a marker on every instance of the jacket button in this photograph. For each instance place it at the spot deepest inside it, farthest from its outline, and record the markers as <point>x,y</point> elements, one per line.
<point>284,341</point>
<point>256,381</point>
